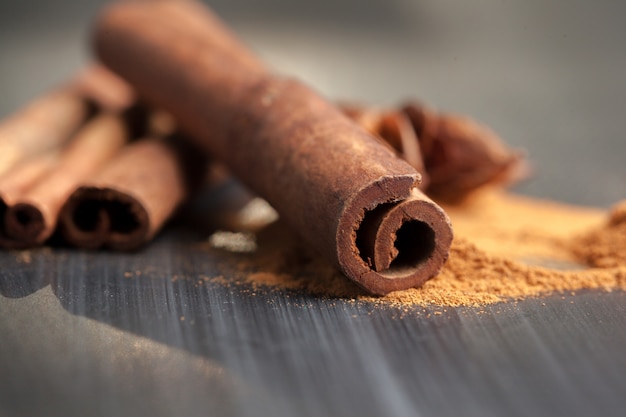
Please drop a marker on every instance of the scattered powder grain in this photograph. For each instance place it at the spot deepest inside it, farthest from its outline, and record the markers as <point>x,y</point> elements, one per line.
<point>24,257</point>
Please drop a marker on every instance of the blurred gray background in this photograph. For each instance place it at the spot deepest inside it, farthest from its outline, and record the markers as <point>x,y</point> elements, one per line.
<point>548,76</point>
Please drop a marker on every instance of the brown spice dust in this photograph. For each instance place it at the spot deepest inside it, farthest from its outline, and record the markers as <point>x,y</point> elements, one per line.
<point>506,247</point>
<point>605,247</point>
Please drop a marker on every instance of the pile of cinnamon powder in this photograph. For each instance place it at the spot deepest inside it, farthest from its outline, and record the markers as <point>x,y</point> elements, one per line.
<point>506,247</point>
<point>605,247</point>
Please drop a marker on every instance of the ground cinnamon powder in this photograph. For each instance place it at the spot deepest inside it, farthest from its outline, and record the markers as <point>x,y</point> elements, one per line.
<point>605,247</point>
<point>506,247</point>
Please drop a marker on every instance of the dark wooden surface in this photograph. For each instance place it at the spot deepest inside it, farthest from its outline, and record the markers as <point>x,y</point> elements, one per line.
<point>86,334</point>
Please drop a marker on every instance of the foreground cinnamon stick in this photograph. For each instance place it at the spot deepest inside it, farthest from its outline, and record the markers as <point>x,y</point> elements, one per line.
<point>395,129</point>
<point>338,186</point>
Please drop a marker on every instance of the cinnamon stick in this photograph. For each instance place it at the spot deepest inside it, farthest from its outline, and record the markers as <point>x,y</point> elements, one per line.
<point>31,217</point>
<point>15,182</point>
<point>45,124</point>
<point>104,89</point>
<point>393,128</point>
<point>126,204</point>
<point>49,121</point>
<point>345,193</point>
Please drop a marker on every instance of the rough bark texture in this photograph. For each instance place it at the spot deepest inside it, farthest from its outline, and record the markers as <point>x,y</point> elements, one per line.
<point>462,155</point>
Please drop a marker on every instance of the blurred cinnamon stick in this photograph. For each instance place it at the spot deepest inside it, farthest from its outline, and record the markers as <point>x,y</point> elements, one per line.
<point>49,121</point>
<point>342,190</point>
<point>50,149</point>
<point>120,194</point>
<point>104,89</point>
<point>45,124</point>
<point>126,203</point>
<point>31,217</point>
<point>20,178</point>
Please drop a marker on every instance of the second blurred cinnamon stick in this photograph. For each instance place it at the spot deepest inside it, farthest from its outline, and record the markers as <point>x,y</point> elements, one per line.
<point>127,202</point>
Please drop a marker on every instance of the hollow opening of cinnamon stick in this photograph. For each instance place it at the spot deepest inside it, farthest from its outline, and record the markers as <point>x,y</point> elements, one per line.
<point>104,216</point>
<point>86,215</point>
<point>120,216</point>
<point>415,242</point>
<point>24,220</point>
<point>408,244</point>
<point>124,217</point>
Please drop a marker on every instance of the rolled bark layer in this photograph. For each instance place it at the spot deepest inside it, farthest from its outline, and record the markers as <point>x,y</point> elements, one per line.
<point>343,191</point>
<point>124,206</point>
